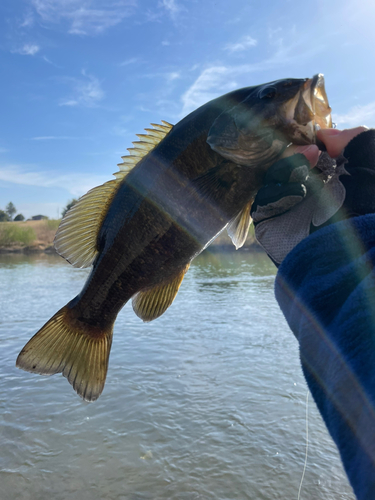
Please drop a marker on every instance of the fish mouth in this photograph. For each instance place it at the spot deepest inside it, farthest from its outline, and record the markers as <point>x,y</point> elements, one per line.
<point>308,112</point>
<point>272,117</point>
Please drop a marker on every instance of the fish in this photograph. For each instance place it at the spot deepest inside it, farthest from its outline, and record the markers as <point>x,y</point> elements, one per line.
<point>179,187</point>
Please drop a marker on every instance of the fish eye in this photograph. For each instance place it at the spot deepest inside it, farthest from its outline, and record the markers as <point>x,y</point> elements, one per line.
<point>267,93</point>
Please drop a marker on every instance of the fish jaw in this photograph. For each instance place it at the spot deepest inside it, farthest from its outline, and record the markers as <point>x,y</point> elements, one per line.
<point>257,131</point>
<point>309,112</point>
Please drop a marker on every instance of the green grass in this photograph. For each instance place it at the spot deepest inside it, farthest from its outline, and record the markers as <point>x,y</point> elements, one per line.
<point>11,235</point>
<point>53,223</point>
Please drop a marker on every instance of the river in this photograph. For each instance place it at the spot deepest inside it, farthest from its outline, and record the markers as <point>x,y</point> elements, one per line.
<point>206,402</point>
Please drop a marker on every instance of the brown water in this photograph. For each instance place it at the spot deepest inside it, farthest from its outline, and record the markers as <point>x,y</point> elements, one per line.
<point>207,402</point>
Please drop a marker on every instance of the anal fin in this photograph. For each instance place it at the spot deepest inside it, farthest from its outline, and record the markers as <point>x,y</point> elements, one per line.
<point>152,303</point>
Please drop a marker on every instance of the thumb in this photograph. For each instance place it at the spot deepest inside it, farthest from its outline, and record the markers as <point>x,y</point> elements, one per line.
<point>336,140</point>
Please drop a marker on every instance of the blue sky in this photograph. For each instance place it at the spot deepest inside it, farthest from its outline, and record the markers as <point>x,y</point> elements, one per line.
<point>81,77</point>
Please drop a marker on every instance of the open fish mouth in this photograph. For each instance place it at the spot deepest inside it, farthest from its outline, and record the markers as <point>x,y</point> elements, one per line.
<point>274,115</point>
<point>308,112</point>
<point>323,118</point>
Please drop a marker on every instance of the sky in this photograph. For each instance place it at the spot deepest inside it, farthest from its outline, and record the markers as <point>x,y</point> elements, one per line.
<point>79,78</point>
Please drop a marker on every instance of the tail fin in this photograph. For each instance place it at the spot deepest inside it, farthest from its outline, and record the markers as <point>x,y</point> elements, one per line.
<point>68,345</point>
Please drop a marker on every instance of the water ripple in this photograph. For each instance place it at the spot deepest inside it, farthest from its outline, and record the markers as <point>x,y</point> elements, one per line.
<point>207,402</point>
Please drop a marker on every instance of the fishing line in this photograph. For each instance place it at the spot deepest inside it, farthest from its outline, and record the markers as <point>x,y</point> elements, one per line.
<point>307,444</point>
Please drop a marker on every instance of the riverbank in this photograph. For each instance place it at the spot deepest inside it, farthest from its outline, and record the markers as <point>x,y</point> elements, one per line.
<point>37,237</point>
<point>28,237</point>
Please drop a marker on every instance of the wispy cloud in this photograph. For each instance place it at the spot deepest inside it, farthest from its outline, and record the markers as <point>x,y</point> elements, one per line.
<point>245,43</point>
<point>3,150</point>
<point>52,138</point>
<point>210,83</point>
<point>28,20</point>
<point>357,115</point>
<point>86,91</point>
<point>84,17</point>
<point>75,184</point>
<point>127,62</point>
<point>173,75</point>
<point>28,49</point>
<point>172,7</point>
<point>218,79</point>
<point>48,61</point>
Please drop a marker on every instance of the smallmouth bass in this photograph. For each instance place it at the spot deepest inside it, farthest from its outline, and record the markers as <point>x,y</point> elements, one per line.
<point>178,189</point>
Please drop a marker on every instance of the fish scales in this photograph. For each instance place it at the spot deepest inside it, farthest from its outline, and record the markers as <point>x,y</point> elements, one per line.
<point>157,216</point>
<point>164,236</point>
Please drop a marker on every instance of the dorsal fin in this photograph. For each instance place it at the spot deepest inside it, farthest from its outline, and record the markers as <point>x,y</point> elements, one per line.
<point>143,147</point>
<point>76,237</point>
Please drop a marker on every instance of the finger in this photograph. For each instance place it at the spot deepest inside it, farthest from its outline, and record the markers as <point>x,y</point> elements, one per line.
<point>336,140</point>
<point>294,168</point>
<point>274,200</point>
<point>311,152</point>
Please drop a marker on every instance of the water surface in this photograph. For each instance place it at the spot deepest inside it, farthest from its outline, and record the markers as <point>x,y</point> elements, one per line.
<point>207,402</point>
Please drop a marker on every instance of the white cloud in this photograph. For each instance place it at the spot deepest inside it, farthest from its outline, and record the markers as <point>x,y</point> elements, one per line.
<point>172,7</point>
<point>51,138</point>
<point>357,115</point>
<point>245,43</point>
<point>3,150</point>
<point>28,20</point>
<point>28,49</point>
<point>48,61</point>
<point>211,83</point>
<point>217,80</point>
<point>86,91</point>
<point>75,184</point>
<point>84,17</point>
<point>174,75</point>
<point>132,60</point>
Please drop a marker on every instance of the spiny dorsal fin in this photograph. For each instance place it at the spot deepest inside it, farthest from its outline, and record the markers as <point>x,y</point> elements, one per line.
<point>143,147</point>
<point>238,227</point>
<point>76,237</point>
<point>152,303</point>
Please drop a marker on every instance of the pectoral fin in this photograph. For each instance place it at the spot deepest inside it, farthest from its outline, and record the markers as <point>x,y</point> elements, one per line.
<point>217,180</point>
<point>152,303</point>
<point>238,227</point>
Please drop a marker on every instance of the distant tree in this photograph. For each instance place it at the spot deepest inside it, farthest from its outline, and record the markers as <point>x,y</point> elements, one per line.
<point>4,217</point>
<point>19,217</point>
<point>10,209</point>
<point>69,206</point>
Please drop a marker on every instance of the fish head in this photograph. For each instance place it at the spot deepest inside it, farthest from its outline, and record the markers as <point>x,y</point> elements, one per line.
<point>272,116</point>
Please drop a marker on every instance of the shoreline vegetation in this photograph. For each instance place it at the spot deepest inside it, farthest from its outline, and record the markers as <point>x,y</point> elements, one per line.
<point>37,237</point>
<point>28,236</point>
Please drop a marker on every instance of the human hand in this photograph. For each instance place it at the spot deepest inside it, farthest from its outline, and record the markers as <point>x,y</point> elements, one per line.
<point>336,140</point>
<point>296,201</point>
